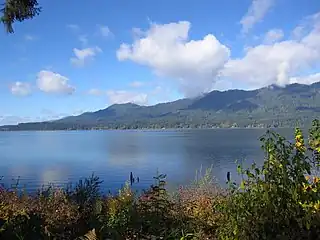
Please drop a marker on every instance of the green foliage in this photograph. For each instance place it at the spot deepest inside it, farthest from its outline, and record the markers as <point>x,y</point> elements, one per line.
<point>87,191</point>
<point>314,140</point>
<point>156,207</point>
<point>271,201</point>
<point>119,213</point>
<point>205,179</point>
<point>18,10</point>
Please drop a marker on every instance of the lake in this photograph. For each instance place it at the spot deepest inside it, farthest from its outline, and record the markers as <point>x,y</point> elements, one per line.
<point>60,157</point>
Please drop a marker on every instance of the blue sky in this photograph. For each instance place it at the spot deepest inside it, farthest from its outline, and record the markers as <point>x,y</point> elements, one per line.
<point>77,57</point>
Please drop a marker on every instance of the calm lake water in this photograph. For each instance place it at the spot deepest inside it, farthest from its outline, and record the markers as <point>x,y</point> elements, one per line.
<point>61,157</point>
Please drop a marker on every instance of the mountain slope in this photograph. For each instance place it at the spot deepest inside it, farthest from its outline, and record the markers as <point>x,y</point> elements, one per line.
<point>269,106</point>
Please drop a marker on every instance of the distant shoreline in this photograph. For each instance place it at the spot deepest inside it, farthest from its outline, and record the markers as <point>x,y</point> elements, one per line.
<point>144,129</point>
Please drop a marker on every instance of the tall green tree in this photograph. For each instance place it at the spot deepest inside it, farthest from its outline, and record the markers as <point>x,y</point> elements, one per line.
<point>18,10</point>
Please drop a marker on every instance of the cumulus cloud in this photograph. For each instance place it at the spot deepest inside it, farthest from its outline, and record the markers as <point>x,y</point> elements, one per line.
<point>273,35</point>
<point>309,79</point>
<point>256,12</point>
<point>51,82</point>
<point>279,62</point>
<point>82,56</point>
<point>20,89</point>
<point>194,64</point>
<point>122,96</point>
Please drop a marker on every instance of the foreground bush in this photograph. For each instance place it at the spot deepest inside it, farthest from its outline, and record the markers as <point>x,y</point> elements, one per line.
<point>279,200</point>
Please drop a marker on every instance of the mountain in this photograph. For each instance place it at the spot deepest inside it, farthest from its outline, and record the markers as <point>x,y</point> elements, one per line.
<point>295,104</point>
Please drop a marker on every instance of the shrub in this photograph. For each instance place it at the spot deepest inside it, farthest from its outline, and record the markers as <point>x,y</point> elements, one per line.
<point>197,205</point>
<point>273,202</point>
<point>118,213</point>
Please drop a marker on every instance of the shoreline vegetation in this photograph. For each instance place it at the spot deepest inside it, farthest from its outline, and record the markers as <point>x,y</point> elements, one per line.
<point>54,126</point>
<point>278,200</point>
<point>145,129</point>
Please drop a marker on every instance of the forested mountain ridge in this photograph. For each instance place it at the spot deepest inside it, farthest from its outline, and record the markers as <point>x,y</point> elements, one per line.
<point>295,104</point>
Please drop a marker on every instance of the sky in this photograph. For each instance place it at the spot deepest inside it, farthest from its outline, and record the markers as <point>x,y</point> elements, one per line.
<point>79,56</point>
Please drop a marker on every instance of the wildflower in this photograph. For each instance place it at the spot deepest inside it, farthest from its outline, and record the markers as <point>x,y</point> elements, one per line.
<point>306,187</point>
<point>317,205</point>
<point>299,141</point>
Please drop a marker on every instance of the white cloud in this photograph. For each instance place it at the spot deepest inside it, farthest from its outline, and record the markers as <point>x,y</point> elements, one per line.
<point>309,79</point>
<point>136,84</point>
<point>104,31</point>
<point>194,64</point>
<point>306,25</point>
<point>127,97</point>
<point>279,62</point>
<point>73,27</point>
<point>272,36</point>
<point>51,82</point>
<point>96,92</point>
<point>197,66</point>
<point>20,89</point>
<point>297,33</point>
<point>256,12</point>
<point>84,55</point>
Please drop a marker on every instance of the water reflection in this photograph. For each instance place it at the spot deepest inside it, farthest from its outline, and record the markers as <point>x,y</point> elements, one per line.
<point>60,157</point>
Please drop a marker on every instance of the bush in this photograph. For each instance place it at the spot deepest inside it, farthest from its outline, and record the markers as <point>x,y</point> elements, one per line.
<point>197,205</point>
<point>276,201</point>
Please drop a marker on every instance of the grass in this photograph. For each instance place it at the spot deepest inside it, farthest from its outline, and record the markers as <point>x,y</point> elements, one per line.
<point>278,200</point>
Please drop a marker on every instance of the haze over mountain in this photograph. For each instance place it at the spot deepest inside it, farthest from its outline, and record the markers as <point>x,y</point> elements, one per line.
<point>295,104</point>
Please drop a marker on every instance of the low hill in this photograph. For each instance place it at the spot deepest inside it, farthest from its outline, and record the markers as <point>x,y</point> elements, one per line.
<point>272,106</point>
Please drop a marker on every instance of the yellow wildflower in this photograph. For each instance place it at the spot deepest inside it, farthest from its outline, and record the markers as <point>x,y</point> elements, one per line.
<point>305,186</point>
<point>317,205</point>
<point>299,141</point>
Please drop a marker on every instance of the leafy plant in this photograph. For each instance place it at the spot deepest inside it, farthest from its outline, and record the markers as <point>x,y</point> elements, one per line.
<point>268,202</point>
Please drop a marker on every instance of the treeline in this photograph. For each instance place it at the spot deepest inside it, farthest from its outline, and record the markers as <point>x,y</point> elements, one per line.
<point>162,123</point>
